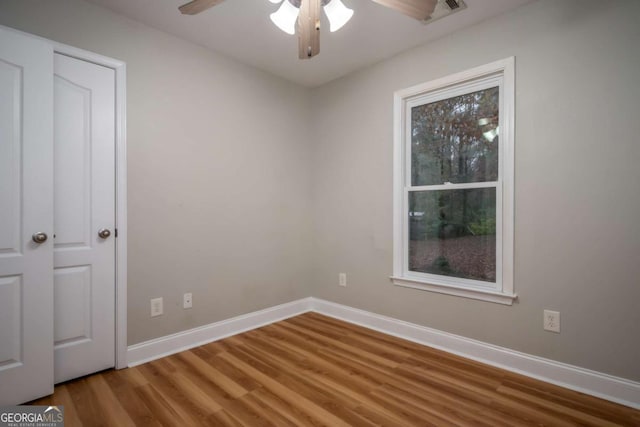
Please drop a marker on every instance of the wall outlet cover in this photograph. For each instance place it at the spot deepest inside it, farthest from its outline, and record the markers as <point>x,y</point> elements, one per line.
<point>187,300</point>
<point>551,321</point>
<point>156,307</point>
<point>342,279</point>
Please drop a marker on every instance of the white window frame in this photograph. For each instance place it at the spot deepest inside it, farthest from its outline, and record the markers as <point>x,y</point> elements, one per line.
<point>501,74</point>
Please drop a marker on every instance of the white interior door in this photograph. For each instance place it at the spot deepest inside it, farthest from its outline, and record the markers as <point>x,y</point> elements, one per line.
<point>84,204</point>
<point>26,203</point>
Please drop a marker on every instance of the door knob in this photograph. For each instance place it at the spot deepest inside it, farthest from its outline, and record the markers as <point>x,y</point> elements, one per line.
<point>104,233</point>
<point>39,237</point>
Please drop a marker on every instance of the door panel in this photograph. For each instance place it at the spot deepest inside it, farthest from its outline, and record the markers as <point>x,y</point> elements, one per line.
<point>26,207</point>
<point>72,288</point>
<point>11,320</point>
<point>84,203</point>
<point>72,151</point>
<point>10,163</point>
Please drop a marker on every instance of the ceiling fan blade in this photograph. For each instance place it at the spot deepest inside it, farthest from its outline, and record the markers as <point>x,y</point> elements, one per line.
<point>196,6</point>
<point>418,9</point>
<point>309,29</point>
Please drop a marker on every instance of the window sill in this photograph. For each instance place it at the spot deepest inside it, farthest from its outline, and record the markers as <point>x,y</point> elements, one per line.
<point>479,294</point>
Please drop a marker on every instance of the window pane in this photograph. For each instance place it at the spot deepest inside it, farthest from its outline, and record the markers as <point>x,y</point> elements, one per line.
<point>456,139</point>
<point>453,233</point>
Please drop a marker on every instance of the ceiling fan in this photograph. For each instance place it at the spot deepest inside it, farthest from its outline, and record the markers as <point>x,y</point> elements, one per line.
<point>307,15</point>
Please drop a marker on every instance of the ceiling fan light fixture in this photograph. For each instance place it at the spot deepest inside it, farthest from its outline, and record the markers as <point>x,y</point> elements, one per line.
<point>308,25</point>
<point>338,14</point>
<point>491,134</point>
<point>285,17</point>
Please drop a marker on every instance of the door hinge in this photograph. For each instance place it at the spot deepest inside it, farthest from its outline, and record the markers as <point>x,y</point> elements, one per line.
<point>115,232</point>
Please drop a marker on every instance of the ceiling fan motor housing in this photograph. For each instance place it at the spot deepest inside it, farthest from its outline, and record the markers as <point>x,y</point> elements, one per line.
<point>453,4</point>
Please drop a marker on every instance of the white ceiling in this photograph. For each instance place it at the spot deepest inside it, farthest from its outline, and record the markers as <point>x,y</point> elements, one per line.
<point>242,30</point>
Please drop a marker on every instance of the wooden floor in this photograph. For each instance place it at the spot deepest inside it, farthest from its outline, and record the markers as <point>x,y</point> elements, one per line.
<point>313,370</point>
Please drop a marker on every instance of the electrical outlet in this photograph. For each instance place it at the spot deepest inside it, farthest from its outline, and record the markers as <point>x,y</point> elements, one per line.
<point>552,321</point>
<point>342,279</point>
<point>187,300</point>
<point>156,307</point>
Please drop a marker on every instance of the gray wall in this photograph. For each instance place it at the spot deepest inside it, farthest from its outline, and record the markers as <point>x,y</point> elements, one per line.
<point>221,193</point>
<point>218,187</point>
<point>577,220</point>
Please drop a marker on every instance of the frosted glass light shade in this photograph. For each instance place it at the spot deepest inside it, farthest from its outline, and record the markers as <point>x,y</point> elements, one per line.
<point>338,14</point>
<point>275,1</point>
<point>285,17</point>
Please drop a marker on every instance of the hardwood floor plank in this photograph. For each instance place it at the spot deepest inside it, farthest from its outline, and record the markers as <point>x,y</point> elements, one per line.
<point>134,377</point>
<point>324,328</point>
<point>215,376</point>
<point>384,418</point>
<point>339,369</point>
<point>61,397</point>
<point>339,383</point>
<point>325,368</point>
<point>388,350</point>
<point>339,345</point>
<point>271,415</point>
<point>87,403</point>
<point>161,409</point>
<point>284,408</point>
<point>301,381</point>
<point>561,410</point>
<point>231,405</point>
<point>228,370</point>
<point>198,396</point>
<point>115,413</point>
<point>570,398</point>
<point>306,383</point>
<point>448,410</point>
<point>129,399</point>
<point>223,419</point>
<point>312,370</point>
<point>177,398</point>
<point>484,380</point>
<point>285,393</point>
<point>447,398</point>
<point>427,413</point>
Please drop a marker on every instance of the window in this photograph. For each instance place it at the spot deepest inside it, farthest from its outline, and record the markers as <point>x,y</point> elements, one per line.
<point>453,184</point>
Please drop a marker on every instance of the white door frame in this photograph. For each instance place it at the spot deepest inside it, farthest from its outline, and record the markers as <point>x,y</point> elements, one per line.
<point>121,190</point>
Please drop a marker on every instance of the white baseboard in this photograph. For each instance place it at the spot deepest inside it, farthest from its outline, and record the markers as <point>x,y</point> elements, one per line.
<point>181,341</point>
<point>594,383</point>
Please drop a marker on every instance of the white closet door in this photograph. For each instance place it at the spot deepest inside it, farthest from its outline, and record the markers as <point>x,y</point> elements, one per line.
<point>26,204</point>
<point>84,204</point>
